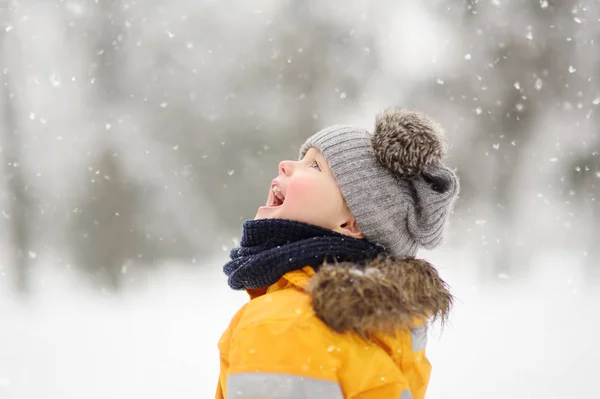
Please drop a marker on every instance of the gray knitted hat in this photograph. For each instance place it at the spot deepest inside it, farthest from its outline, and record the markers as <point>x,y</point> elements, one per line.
<point>393,180</point>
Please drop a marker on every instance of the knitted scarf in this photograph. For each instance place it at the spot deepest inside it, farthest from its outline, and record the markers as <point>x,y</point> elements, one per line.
<point>272,247</point>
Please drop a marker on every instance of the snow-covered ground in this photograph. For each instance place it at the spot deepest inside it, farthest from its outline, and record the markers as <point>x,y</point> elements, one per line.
<point>529,340</point>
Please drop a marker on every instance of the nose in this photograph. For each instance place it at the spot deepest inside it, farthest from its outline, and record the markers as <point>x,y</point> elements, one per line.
<point>286,167</point>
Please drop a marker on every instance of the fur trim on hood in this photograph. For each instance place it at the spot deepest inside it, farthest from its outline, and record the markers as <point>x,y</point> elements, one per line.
<point>382,297</point>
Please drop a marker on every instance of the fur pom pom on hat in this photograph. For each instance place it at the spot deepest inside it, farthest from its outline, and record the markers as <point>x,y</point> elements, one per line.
<point>393,180</point>
<point>405,141</point>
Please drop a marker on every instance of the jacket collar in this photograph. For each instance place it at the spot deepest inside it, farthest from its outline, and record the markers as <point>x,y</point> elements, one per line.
<point>379,299</point>
<point>298,278</point>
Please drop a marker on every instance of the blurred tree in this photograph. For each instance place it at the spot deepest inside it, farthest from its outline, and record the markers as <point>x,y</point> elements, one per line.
<point>102,226</point>
<point>582,171</point>
<point>515,69</point>
<point>104,233</point>
<point>118,222</point>
<point>583,182</point>
<point>17,211</point>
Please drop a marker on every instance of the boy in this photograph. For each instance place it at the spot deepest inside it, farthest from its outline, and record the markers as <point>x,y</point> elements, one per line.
<point>339,306</point>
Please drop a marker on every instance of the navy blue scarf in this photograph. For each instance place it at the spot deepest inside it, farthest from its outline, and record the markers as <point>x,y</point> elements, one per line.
<point>272,247</point>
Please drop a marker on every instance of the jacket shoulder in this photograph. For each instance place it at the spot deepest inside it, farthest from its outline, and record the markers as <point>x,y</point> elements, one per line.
<point>290,304</point>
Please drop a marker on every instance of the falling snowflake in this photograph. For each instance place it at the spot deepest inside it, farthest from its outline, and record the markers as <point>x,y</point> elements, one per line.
<point>54,80</point>
<point>572,69</point>
<point>538,84</point>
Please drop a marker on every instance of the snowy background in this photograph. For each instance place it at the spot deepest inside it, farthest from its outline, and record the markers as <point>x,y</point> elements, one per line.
<point>135,137</point>
<point>515,340</point>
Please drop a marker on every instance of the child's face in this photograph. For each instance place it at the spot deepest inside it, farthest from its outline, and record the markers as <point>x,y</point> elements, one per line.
<point>306,191</point>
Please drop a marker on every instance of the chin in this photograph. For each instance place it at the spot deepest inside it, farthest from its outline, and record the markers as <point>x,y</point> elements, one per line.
<point>268,212</point>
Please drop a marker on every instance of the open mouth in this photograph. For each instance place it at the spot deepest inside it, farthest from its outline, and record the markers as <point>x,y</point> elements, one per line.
<point>278,197</point>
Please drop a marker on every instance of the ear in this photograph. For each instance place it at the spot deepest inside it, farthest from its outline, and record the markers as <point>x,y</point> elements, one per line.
<point>350,228</point>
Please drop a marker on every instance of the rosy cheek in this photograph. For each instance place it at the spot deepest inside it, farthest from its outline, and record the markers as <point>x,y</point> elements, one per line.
<point>301,190</point>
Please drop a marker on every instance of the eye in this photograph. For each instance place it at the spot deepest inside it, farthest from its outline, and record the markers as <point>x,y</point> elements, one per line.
<point>315,164</point>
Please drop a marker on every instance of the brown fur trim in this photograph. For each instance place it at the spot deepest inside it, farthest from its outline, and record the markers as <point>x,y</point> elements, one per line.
<point>404,141</point>
<point>383,297</point>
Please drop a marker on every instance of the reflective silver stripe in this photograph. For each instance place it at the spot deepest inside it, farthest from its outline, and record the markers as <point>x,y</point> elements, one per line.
<point>406,395</point>
<point>418,337</point>
<point>280,386</point>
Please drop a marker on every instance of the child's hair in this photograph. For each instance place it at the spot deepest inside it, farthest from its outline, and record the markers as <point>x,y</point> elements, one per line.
<point>393,180</point>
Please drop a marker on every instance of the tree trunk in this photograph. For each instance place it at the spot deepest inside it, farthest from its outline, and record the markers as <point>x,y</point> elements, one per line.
<point>16,213</point>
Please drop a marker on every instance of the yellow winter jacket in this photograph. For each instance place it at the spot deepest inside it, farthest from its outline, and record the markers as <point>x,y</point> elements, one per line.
<point>344,332</point>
